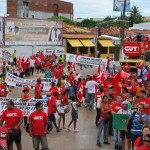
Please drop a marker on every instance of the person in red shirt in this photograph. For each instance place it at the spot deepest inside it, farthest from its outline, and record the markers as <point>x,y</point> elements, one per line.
<point>38,89</point>
<point>3,90</point>
<point>126,67</point>
<point>139,141</point>
<point>146,145</point>
<point>116,106</point>
<point>53,87</point>
<point>13,118</point>
<point>130,87</point>
<point>52,109</point>
<point>145,101</point>
<point>104,121</point>
<point>38,123</point>
<point>25,97</point>
<point>27,63</point>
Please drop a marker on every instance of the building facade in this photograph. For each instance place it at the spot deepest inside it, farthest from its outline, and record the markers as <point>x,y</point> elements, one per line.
<point>39,9</point>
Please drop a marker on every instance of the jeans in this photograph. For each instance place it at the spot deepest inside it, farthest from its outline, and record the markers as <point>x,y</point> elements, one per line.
<point>111,69</point>
<point>117,140</point>
<point>25,120</point>
<point>98,112</point>
<point>71,92</point>
<point>91,99</point>
<point>133,138</point>
<point>101,126</point>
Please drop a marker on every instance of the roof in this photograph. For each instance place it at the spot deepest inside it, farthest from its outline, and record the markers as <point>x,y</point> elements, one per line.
<point>68,29</point>
<point>141,26</point>
<point>141,31</point>
<point>77,36</point>
<point>115,31</point>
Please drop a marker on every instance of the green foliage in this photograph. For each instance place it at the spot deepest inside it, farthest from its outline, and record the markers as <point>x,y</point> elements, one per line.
<point>86,23</point>
<point>135,12</point>
<point>66,20</point>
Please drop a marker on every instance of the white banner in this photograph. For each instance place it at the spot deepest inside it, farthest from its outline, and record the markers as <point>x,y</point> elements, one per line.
<point>27,107</point>
<point>19,82</point>
<point>58,50</point>
<point>85,60</point>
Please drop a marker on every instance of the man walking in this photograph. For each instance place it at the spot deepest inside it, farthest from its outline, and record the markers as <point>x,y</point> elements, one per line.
<point>91,90</point>
<point>13,118</point>
<point>38,122</point>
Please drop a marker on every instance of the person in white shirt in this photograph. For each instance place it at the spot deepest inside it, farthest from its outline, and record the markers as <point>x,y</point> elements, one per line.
<point>123,133</point>
<point>91,90</point>
<point>32,62</point>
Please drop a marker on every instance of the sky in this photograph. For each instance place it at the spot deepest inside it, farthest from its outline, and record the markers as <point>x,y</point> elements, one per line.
<point>95,8</point>
<point>103,8</point>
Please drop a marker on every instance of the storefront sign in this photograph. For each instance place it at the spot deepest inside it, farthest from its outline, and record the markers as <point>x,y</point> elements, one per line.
<point>85,60</point>
<point>132,49</point>
<point>58,50</point>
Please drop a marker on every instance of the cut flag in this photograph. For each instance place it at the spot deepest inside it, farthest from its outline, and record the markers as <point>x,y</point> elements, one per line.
<point>116,82</point>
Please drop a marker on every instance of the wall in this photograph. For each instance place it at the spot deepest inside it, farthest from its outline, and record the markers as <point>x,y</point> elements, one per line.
<point>26,51</point>
<point>12,8</point>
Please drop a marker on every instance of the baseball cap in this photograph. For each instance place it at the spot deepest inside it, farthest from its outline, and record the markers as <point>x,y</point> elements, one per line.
<point>54,91</point>
<point>26,88</point>
<point>39,79</point>
<point>63,91</point>
<point>125,103</point>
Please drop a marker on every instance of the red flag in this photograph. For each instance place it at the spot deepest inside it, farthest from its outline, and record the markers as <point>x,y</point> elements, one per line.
<point>80,92</point>
<point>42,56</point>
<point>116,81</point>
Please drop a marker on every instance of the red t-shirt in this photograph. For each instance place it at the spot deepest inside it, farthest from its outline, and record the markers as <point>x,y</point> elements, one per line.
<point>64,100</point>
<point>3,90</point>
<point>38,120</point>
<point>51,103</point>
<point>145,101</point>
<point>137,142</point>
<point>53,89</point>
<point>143,148</point>
<point>105,109</point>
<point>12,117</point>
<point>37,91</point>
<point>116,107</point>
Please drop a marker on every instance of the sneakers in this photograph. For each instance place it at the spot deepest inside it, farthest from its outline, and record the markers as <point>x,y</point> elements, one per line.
<point>106,143</point>
<point>99,145</point>
<point>76,131</point>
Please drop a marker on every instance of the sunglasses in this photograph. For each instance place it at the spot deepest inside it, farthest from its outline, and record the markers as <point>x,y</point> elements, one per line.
<point>148,141</point>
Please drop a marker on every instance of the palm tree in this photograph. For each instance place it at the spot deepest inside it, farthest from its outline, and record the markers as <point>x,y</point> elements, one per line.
<point>135,11</point>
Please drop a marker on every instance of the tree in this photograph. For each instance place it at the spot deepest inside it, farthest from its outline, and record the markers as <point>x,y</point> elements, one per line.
<point>66,20</point>
<point>86,23</point>
<point>136,14</point>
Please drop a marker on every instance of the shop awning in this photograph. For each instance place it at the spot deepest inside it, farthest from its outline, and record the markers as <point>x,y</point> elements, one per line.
<point>75,43</point>
<point>87,43</point>
<point>106,43</point>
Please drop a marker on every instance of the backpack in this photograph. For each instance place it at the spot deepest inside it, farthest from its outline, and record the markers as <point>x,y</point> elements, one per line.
<point>129,126</point>
<point>141,142</point>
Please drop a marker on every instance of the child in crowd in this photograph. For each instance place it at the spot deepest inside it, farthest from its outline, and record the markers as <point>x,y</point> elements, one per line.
<point>74,113</point>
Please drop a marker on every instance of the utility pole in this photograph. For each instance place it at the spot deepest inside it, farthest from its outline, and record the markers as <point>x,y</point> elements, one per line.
<point>122,26</point>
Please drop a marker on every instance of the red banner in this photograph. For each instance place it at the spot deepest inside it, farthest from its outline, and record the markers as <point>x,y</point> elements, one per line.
<point>132,49</point>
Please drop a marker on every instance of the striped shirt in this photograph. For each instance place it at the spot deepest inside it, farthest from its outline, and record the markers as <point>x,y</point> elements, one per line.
<point>137,125</point>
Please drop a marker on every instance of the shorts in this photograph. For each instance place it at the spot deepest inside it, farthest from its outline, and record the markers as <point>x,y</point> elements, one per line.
<point>124,134</point>
<point>38,67</point>
<point>15,138</point>
<point>52,117</point>
<point>37,139</point>
<point>74,115</point>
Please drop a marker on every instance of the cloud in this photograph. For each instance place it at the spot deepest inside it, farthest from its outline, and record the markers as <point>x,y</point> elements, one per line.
<point>103,8</point>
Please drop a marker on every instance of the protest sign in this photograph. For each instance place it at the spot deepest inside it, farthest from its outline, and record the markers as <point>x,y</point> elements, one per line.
<point>85,60</point>
<point>58,50</point>
<point>119,121</point>
<point>19,82</point>
<point>26,107</point>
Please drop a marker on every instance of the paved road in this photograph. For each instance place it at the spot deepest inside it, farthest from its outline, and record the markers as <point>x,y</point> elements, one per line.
<point>64,140</point>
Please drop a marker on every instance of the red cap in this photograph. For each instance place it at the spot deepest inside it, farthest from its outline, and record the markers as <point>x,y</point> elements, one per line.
<point>39,79</point>
<point>26,88</point>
